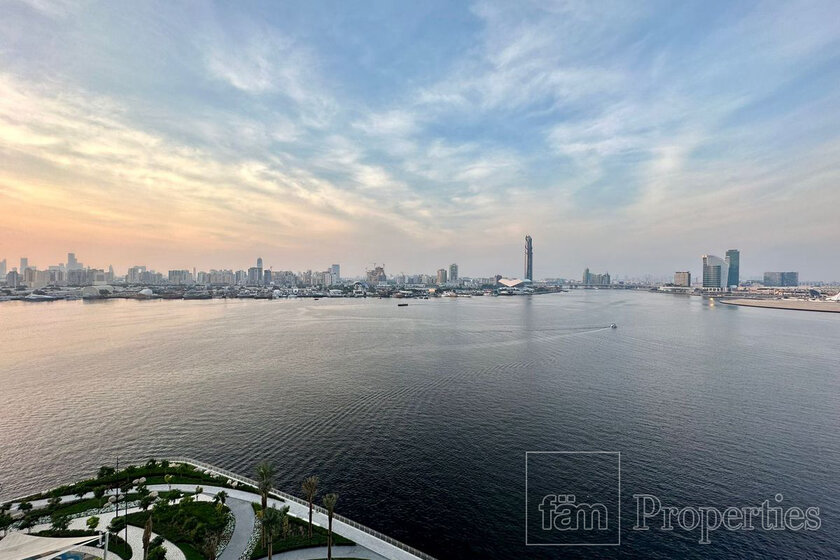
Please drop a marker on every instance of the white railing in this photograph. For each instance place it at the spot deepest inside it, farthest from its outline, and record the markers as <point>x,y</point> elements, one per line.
<point>282,496</point>
<point>289,497</point>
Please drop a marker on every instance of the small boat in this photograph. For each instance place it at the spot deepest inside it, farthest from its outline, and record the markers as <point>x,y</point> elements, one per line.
<point>613,326</point>
<point>402,305</point>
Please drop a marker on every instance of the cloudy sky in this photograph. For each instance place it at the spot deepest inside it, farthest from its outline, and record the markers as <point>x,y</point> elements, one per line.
<point>624,136</point>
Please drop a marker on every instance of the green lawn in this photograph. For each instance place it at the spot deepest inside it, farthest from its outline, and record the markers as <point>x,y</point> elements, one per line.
<point>297,540</point>
<point>186,525</point>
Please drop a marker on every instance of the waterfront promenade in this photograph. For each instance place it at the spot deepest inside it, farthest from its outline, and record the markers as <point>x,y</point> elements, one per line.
<point>369,544</point>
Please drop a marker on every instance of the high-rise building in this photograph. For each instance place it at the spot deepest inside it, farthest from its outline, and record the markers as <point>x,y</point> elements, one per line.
<point>453,272</point>
<point>266,278</point>
<point>682,279</point>
<point>336,274</point>
<point>781,279</point>
<point>72,263</point>
<point>3,268</point>
<point>179,277</point>
<point>733,259</point>
<point>259,270</point>
<point>715,272</point>
<point>24,264</point>
<point>441,276</point>
<point>13,279</point>
<point>135,274</point>
<point>254,276</point>
<point>529,258</point>
<point>376,275</point>
<point>592,279</point>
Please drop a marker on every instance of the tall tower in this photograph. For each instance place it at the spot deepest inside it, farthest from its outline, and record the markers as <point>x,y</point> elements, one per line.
<point>453,272</point>
<point>733,259</point>
<point>529,258</point>
<point>715,272</point>
<point>259,270</point>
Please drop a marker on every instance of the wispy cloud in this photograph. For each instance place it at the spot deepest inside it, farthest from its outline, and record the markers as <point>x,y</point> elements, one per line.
<point>267,129</point>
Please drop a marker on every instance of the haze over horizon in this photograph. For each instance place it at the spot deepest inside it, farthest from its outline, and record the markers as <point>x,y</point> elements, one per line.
<point>624,137</point>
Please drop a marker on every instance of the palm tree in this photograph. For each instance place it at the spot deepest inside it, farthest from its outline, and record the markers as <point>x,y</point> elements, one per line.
<point>210,545</point>
<point>24,506</point>
<point>198,490</point>
<point>310,489</point>
<point>329,503</point>
<point>147,537</point>
<point>265,481</point>
<point>5,521</point>
<point>273,523</point>
<point>59,522</point>
<point>220,497</point>
<point>168,479</point>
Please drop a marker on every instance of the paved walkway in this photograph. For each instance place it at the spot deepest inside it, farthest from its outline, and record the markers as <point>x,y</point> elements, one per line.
<point>242,531</point>
<point>368,546</point>
<point>135,535</point>
<point>382,549</point>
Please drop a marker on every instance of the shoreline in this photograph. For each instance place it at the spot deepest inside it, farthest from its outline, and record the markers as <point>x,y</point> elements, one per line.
<point>788,305</point>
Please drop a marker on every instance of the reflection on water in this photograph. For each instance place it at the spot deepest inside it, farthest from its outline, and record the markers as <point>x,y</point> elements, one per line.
<point>420,416</point>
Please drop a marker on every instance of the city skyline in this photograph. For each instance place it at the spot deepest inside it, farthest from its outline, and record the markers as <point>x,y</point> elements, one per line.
<point>334,270</point>
<point>628,139</point>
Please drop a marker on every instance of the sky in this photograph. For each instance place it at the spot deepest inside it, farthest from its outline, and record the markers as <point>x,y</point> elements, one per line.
<point>629,137</point>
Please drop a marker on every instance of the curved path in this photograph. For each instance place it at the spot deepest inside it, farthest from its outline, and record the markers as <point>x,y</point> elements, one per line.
<point>365,543</point>
<point>242,531</point>
<point>135,535</point>
<point>368,547</point>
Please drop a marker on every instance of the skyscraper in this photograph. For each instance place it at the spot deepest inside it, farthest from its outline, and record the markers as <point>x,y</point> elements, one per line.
<point>715,272</point>
<point>453,272</point>
<point>24,264</point>
<point>336,273</point>
<point>259,270</point>
<point>72,263</point>
<point>529,258</point>
<point>3,268</point>
<point>441,276</point>
<point>733,259</point>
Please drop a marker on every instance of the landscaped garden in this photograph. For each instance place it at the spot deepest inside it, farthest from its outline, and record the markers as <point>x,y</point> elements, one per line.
<point>293,534</point>
<point>196,528</point>
<point>199,528</point>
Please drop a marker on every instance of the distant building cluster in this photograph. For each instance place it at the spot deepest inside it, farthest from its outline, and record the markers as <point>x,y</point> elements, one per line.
<point>718,274</point>
<point>781,279</point>
<point>75,273</point>
<point>592,279</point>
<point>722,274</point>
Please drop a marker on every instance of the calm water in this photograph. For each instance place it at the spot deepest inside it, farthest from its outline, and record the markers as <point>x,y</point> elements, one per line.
<point>420,417</point>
